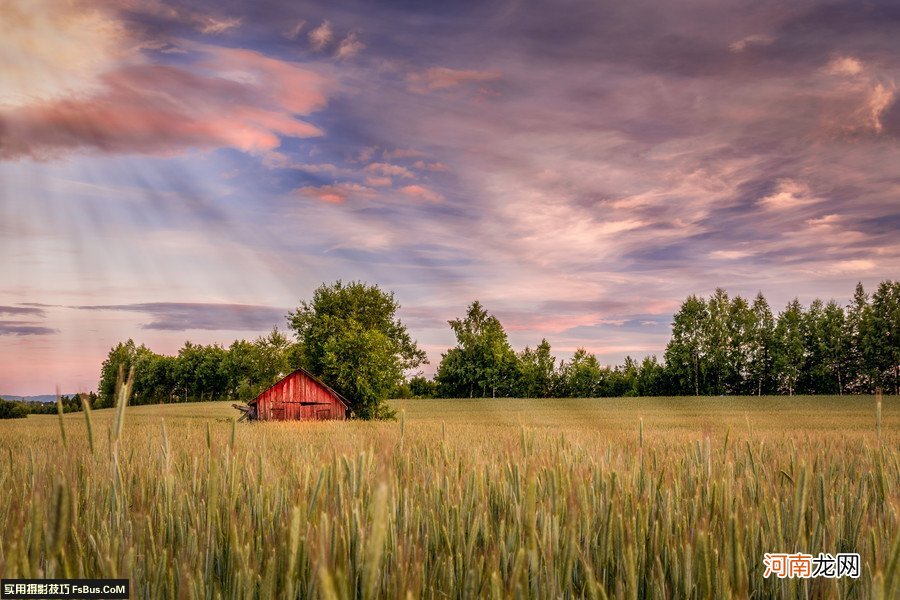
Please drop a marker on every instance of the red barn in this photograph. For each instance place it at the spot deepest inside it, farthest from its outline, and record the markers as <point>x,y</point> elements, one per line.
<point>301,396</point>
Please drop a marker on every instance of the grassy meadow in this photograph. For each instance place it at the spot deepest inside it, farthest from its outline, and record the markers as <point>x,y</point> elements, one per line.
<point>560,498</point>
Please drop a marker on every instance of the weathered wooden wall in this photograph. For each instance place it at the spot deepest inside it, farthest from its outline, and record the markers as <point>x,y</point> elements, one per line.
<point>283,401</point>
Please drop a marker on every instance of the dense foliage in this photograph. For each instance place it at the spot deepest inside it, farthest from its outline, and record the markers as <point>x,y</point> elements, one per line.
<point>16,409</point>
<point>199,372</point>
<point>349,336</point>
<point>719,345</point>
<point>725,345</point>
<point>484,364</point>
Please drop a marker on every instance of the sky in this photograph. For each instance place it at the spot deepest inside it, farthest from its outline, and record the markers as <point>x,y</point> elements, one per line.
<point>174,170</point>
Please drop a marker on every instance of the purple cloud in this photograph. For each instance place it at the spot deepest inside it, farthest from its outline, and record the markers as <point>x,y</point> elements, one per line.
<point>185,316</point>
<point>22,328</point>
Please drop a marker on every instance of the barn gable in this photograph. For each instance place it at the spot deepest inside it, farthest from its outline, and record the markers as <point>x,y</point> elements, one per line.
<point>300,396</point>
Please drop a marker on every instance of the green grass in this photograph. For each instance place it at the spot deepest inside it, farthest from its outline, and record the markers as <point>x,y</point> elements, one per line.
<point>460,498</point>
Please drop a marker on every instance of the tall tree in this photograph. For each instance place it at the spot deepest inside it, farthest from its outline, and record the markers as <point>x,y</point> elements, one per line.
<point>651,378</point>
<point>833,345</point>
<point>715,340</point>
<point>761,337</point>
<point>581,377</point>
<point>856,325</point>
<point>684,353</point>
<point>537,371</point>
<point>883,335</point>
<point>482,362</point>
<point>739,328</point>
<point>122,356</point>
<point>815,375</point>
<point>790,346</point>
<point>350,336</point>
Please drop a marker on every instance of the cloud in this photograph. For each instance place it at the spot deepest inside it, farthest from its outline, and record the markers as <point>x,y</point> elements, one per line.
<point>22,310</point>
<point>880,98</point>
<point>376,181</point>
<point>731,254</point>
<point>789,194</point>
<point>21,328</point>
<point>401,153</point>
<point>321,36</point>
<point>750,41</point>
<point>425,166</point>
<point>185,316</point>
<point>349,47</point>
<point>857,104</point>
<point>442,78</point>
<point>225,98</point>
<point>390,170</point>
<point>204,22</point>
<point>421,193</point>
<point>294,32</point>
<point>629,158</point>
<point>845,65</point>
<point>336,193</point>
<point>55,49</point>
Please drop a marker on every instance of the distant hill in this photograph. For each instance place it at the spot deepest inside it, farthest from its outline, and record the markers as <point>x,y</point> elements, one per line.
<point>41,398</point>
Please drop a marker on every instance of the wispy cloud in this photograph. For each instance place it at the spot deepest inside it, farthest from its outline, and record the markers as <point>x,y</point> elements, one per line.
<point>24,328</point>
<point>442,78</point>
<point>22,310</point>
<point>321,36</point>
<point>390,170</point>
<point>186,316</point>
<point>349,47</point>
<point>420,192</point>
<point>219,97</point>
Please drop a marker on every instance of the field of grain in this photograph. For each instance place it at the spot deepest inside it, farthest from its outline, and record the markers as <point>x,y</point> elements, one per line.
<point>618,498</point>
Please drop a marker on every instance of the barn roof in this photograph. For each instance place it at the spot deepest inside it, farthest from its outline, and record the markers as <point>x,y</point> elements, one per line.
<point>340,398</point>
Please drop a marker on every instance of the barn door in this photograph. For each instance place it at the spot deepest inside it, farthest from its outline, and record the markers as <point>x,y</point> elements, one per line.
<point>278,413</point>
<point>323,414</point>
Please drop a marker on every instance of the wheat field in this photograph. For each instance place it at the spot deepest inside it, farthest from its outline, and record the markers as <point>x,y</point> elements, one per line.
<point>561,498</point>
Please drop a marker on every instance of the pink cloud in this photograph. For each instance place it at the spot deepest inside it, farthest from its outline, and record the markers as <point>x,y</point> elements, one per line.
<point>425,166</point>
<point>401,153</point>
<point>321,36</point>
<point>421,192</point>
<point>442,78</point>
<point>336,193</point>
<point>376,181</point>
<point>228,98</point>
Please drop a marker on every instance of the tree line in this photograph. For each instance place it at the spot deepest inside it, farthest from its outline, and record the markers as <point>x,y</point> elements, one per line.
<point>719,345</point>
<point>347,334</point>
<point>723,345</point>
<point>198,372</point>
<point>19,409</point>
<point>350,336</point>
